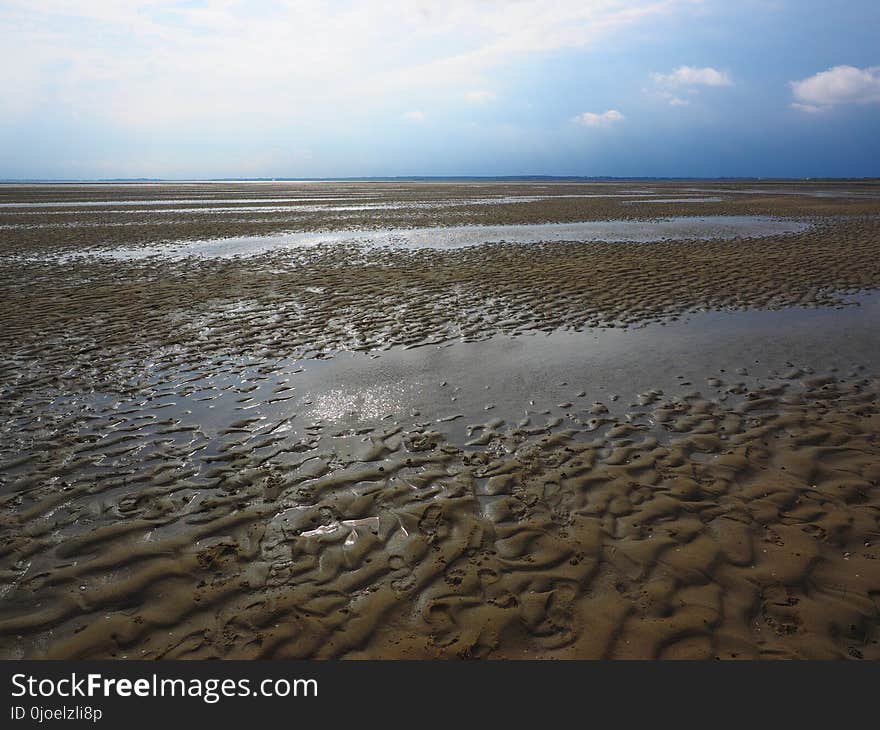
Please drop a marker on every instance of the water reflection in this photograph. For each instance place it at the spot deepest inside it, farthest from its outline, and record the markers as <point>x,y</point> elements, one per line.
<point>453,237</point>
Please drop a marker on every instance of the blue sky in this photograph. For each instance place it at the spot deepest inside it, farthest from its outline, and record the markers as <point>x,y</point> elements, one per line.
<point>97,89</point>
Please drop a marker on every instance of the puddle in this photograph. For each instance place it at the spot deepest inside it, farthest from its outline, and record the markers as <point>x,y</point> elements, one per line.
<point>504,377</point>
<point>256,205</point>
<point>673,200</point>
<point>788,191</point>
<point>541,377</point>
<point>446,238</point>
<point>152,202</point>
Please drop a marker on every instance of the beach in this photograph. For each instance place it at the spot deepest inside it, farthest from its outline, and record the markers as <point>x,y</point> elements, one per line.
<point>416,420</point>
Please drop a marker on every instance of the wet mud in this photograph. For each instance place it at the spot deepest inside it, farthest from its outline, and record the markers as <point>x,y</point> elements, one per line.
<point>555,449</point>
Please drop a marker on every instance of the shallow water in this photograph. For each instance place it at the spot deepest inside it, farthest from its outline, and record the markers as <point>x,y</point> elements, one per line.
<point>259,205</point>
<point>501,376</point>
<point>538,376</point>
<point>152,202</point>
<point>672,200</point>
<point>453,237</point>
<point>789,191</point>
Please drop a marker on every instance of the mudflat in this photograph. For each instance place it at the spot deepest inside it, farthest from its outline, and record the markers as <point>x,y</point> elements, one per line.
<point>438,420</point>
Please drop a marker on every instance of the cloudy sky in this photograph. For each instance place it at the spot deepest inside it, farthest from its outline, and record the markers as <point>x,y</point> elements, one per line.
<point>311,88</point>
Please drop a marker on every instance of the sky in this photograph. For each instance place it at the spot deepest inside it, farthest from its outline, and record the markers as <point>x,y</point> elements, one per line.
<point>312,88</point>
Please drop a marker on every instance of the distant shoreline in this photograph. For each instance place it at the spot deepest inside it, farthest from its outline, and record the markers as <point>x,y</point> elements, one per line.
<point>425,178</point>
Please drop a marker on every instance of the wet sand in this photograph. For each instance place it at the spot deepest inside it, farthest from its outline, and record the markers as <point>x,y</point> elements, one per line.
<point>558,447</point>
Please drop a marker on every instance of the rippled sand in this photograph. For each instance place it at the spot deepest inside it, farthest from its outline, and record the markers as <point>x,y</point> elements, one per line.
<point>564,448</point>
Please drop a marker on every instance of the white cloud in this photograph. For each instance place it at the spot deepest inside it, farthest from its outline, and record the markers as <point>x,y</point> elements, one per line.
<point>605,119</point>
<point>809,108</point>
<point>479,97</point>
<point>415,115</point>
<point>692,76</point>
<point>160,64</point>
<point>686,80</point>
<point>838,85</point>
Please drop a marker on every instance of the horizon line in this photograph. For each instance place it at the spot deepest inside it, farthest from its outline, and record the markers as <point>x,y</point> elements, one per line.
<point>419,178</point>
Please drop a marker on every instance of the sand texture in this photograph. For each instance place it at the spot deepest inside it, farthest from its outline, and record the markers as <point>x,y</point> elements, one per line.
<point>657,448</point>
